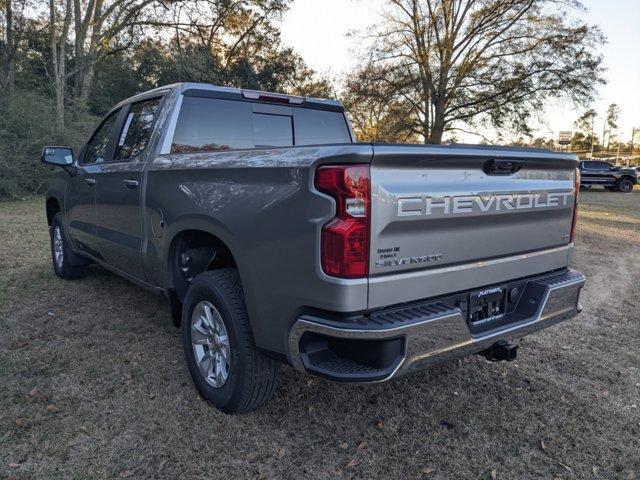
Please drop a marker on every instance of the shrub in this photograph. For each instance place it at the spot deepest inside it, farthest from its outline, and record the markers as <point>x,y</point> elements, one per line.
<point>27,123</point>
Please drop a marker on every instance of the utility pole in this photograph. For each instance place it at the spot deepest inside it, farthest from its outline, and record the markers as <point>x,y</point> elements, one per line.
<point>593,119</point>
<point>633,131</point>
<point>618,154</point>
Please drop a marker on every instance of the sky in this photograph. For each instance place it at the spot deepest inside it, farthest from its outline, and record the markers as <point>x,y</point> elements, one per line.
<point>319,31</point>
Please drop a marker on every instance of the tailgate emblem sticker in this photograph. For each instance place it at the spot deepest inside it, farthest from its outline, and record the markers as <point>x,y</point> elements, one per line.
<point>394,262</point>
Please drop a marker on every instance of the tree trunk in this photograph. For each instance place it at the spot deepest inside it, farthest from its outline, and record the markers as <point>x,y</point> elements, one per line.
<point>437,129</point>
<point>426,123</point>
<point>58,51</point>
<point>87,82</point>
<point>10,50</point>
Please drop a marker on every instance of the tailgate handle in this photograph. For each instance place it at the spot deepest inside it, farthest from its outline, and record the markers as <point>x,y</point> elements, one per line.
<point>502,167</point>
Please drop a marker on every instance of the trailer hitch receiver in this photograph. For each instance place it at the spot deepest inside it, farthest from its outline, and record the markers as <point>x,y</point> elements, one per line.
<point>502,350</point>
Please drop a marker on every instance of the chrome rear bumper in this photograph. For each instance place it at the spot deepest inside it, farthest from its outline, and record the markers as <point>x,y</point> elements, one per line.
<point>424,334</point>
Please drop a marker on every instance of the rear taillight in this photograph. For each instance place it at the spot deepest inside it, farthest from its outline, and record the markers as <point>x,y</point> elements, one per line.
<point>345,239</point>
<point>576,191</point>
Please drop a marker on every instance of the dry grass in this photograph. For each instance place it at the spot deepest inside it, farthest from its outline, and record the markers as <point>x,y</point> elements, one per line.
<point>94,386</point>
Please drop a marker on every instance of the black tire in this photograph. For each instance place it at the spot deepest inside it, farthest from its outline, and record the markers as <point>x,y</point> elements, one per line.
<point>585,187</point>
<point>252,375</point>
<point>70,265</point>
<point>625,185</point>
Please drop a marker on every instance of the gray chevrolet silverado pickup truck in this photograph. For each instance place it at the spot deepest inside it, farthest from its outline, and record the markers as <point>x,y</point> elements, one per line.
<point>277,237</point>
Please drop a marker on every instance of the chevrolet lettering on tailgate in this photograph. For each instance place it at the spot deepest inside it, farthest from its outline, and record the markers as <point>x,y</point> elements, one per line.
<point>411,206</point>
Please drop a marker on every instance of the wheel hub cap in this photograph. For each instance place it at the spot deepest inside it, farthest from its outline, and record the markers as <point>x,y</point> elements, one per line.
<point>210,342</point>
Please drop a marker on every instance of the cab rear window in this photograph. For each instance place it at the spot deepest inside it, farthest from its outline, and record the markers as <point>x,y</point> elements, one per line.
<point>206,125</point>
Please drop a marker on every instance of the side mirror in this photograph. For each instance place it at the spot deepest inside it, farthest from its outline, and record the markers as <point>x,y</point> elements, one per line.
<point>58,156</point>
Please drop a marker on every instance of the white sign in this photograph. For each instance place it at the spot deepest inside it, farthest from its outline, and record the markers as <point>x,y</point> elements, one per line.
<point>565,138</point>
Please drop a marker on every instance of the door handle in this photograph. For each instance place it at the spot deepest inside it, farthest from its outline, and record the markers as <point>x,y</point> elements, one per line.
<point>90,181</point>
<point>130,183</point>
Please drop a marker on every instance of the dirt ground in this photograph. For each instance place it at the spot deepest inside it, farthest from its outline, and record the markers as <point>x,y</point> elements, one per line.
<point>93,385</point>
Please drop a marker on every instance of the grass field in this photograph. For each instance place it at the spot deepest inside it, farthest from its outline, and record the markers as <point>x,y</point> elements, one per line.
<point>94,385</point>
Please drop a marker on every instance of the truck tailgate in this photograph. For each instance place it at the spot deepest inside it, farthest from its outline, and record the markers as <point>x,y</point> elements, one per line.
<point>464,208</point>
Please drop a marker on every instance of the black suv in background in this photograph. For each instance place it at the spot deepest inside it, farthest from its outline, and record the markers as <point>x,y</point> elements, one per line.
<point>611,177</point>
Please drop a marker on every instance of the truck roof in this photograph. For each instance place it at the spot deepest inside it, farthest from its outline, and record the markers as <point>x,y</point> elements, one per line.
<point>232,93</point>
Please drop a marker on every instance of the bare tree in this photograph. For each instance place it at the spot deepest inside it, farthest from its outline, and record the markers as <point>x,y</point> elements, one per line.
<point>491,62</point>
<point>59,25</point>
<point>104,27</point>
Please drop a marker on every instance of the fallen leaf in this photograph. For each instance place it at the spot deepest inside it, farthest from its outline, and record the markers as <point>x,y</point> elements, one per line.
<point>280,452</point>
<point>344,445</point>
<point>362,445</point>
<point>427,470</point>
<point>352,463</point>
<point>542,445</point>
<point>632,476</point>
<point>569,469</point>
<point>126,473</point>
<point>380,424</point>
<point>33,392</point>
<point>52,408</point>
<point>594,470</point>
<point>14,465</point>
<point>494,474</point>
<point>19,422</point>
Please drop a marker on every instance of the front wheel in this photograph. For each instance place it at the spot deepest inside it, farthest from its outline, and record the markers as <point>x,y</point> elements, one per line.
<point>225,365</point>
<point>66,264</point>
<point>625,185</point>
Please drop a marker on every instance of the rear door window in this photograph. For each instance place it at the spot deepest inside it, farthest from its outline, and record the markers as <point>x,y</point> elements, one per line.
<point>137,129</point>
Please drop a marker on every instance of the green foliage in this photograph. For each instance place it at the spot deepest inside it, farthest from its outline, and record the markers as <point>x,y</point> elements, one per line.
<point>26,125</point>
<point>125,48</point>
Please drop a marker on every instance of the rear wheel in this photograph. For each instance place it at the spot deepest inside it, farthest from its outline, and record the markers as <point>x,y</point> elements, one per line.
<point>625,185</point>
<point>225,365</point>
<point>66,263</point>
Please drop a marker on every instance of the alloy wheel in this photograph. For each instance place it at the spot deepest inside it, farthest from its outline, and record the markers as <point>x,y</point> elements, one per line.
<point>210,343</point>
